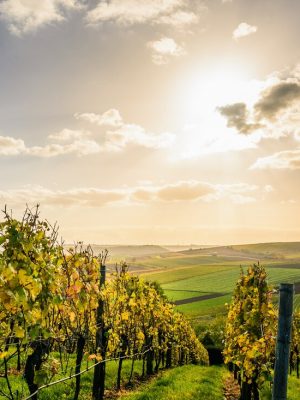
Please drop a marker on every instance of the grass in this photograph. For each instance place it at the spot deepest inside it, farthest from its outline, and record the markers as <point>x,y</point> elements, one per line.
<point>174,274</point>
<point>187,382</point>
<point>65,390</point>
<point>211,307</point>
<point>293,389</point>
<point>197,383</point>
<point>185,283</point>
<point>174,295</point>
<point>220,281</point>
<point>224,280</point>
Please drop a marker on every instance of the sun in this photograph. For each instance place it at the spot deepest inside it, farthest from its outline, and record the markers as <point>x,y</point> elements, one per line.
<point>207,90</point>
<point>205,130</point>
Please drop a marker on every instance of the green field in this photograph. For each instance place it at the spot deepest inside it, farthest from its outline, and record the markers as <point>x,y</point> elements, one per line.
<point>215,270</point>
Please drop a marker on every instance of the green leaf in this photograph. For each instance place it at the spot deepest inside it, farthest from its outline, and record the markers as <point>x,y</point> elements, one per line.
<point>41,377</point>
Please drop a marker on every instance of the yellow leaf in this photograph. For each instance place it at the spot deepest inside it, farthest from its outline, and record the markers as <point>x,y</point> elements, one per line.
<point>24,279</point>
<point>3,354</point>
<point>125,316</point>
<point>19,332</point>
<point>140,336</point>
<point>72,316</point>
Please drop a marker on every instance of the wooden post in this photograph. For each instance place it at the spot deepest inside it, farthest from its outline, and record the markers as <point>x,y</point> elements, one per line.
<point>99,371</point>
<point>283,341</point>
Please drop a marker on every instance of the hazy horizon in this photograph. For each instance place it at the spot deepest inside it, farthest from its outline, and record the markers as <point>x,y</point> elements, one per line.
<point>162,121</point>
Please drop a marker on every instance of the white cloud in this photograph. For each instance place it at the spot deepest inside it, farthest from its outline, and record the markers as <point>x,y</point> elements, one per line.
<point>179,19</point>
<point>130,12</point>
<point>81,147</point>
<point>136,135</point>
<point>10,146</point>
<point>89,197</point>
<point>125,134</point>
<point>68,134</point>
<point>288,159</point>
<point>110,117</point>
<point>83,142</point>
<point>243,30</point>
<point>164,49</point>
<point>24,16</point>
<point>268,189</point>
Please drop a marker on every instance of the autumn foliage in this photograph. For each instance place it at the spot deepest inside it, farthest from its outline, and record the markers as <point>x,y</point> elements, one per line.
<point>49,300</point>
<point>251,331</point>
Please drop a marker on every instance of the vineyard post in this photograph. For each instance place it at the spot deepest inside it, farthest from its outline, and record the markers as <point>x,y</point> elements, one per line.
<point>283,341</point>
<point>99,371</point>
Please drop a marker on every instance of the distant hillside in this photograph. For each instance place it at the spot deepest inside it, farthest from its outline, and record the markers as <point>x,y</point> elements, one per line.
<point>176,248</point>
<point>124,252</point>
<point>258,251</point>
<point>277,250</point>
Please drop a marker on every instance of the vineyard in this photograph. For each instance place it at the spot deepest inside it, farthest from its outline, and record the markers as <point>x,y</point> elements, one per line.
<point>66,321</point>
<point>59,312</point>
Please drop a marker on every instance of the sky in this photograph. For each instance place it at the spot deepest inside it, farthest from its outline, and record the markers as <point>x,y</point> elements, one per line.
<point>153,121</point>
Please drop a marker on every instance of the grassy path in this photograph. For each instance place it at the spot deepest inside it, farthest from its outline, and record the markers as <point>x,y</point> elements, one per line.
<point>193,382</point>
<point>190,382</point>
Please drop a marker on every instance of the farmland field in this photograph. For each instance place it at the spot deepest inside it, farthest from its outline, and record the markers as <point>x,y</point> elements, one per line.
<point>210,274</point>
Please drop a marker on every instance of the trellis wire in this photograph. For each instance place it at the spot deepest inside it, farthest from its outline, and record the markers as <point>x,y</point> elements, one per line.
<point>82,372</point>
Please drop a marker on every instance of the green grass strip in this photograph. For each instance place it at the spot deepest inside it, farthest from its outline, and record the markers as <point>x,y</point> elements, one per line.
<point>187,382</point>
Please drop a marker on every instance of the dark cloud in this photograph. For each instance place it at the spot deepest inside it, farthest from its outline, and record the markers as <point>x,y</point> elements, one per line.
<point>277,98</point>
<point>237,115</point>
<point>273,100</point>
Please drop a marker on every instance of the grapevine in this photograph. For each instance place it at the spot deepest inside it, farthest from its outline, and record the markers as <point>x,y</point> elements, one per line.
<point>50,298</point>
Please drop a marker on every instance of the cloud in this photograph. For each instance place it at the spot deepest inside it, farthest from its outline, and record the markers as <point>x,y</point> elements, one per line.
<point>243,30</point>
<point>194,191</point>
<point>237,116</point>
<point>10,146</point>
<point>179,18</point>
<point>181,191</point>
<point>275,110</point>
<point>125,134</point>
<point>287,159</point>
<point>130,12</point>
<point>277,98</point>
<point>268,189</point>
<point>89,197</point>
<point>25,16</point>
<point>237,193</point>
<point>68,134</point>
<point>81,147</point>
<point>83,142</point>
<point>136,135</point>
<point>110,117</point>
<point>164,49</point>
